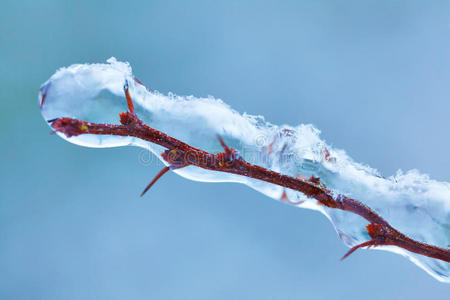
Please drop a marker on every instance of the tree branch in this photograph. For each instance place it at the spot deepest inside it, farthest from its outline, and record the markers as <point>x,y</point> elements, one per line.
<point>180,155</point>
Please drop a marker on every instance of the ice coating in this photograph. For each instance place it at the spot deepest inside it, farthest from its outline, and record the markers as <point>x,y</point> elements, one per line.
<point>411,202</point>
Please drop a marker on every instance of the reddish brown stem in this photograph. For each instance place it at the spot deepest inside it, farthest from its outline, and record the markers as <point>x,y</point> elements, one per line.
<point>180,154</point>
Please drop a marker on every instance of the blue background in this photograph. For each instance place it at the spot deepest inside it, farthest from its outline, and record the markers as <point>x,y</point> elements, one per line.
<point>372,75</point>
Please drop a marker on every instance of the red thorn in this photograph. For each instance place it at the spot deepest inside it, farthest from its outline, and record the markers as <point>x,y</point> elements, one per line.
<point>365,244</point>
<point>43,98</point>
<point>129,101</point>
<point>269,148</point>
<point>138,81</point>
<point>161,173</point>
<point>229,155</point>
<point>284,197</point>
<point>224,146</point>
<point>44,91</point>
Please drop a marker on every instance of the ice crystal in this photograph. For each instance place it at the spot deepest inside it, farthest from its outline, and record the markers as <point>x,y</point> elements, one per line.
<point>411,202</point>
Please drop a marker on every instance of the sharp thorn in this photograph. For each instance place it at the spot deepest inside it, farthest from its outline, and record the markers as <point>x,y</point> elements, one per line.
<point>129,100</point>
<point>161,173</point>
<point>365,244</point>
<point>224,146</point>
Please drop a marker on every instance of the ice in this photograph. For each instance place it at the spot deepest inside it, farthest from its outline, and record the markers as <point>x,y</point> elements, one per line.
<point>411,202</point>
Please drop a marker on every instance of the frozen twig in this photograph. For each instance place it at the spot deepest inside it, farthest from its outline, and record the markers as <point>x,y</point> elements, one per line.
<point>408,212</point>
<point>180,154</point>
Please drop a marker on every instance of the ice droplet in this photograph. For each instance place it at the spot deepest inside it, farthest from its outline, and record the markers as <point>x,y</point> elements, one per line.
<point>411,202</point>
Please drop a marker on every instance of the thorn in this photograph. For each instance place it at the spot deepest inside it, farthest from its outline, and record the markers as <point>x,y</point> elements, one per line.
<point>129,100</point>
<point>44,90</point>
<point>365,244</point>
<point>314,179</point>
<point>224,146</point>
<point>284,196</point>
<point>138,81</point>
<point>161,173</point>
<point>52,120</point>
<point>42,99</point>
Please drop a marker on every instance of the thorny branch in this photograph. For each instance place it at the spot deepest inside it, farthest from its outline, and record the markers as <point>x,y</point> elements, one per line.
<point>179,155</point>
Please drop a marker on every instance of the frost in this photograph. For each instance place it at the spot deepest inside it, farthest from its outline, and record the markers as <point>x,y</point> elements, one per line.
<point>411,202</point>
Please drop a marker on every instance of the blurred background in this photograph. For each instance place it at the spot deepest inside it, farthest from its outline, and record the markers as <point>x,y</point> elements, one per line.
<point>372,75</point>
